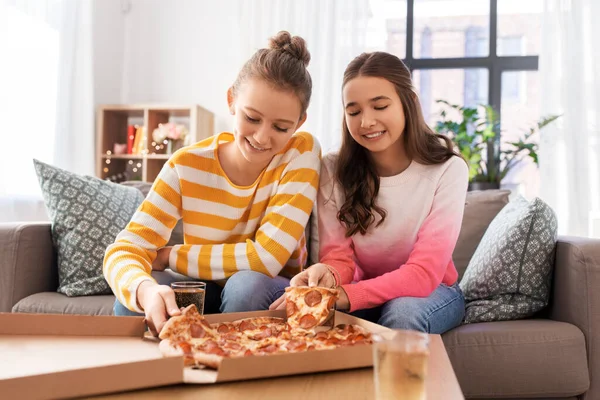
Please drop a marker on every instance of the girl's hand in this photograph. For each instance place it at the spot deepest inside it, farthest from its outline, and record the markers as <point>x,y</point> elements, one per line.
<point>278,304</point>
<point>158,303</point>
<point>161,262</point>
<point>316,275</point>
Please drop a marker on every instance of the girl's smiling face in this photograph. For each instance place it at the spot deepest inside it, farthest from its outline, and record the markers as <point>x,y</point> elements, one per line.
<point>265,119</point>
<point>373,112</point>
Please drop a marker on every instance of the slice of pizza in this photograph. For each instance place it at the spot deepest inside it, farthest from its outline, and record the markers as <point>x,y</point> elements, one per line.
<point>309,307</point>
<point>184,333</point>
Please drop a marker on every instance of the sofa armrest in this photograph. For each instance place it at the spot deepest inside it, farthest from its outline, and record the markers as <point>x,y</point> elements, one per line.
<point>27,262</point>
<point>576,296</point>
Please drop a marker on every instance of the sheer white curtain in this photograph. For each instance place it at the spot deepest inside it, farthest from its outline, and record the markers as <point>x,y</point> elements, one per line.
<point>46,97</point>
<point>570,82</point>
<point>335,32</point>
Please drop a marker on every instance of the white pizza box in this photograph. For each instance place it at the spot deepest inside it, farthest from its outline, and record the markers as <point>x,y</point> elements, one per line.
<point>254,367</point>
<point>44,356</point>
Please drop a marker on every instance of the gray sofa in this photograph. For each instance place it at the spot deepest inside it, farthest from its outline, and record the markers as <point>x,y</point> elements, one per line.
<point>551,356</point>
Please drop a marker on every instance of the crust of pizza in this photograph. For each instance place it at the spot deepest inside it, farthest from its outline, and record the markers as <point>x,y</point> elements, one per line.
<point>209,360</point>
<point>169,349</point>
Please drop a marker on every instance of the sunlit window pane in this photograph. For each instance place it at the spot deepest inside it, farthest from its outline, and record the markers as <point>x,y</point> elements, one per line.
<point>451,28</point>
<point>519,27</point>
<point>386,29</point>
<point>519,112</point>
<point>458,86</point>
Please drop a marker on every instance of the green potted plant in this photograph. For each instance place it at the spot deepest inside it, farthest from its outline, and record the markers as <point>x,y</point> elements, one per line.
<point>474,134</point>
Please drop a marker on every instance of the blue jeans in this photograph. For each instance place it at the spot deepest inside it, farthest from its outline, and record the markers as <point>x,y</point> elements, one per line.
<point>441,311</point>
<point>244,291</point>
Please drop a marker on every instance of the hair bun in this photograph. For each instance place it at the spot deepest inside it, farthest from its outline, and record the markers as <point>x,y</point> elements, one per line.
<point>292,45</point>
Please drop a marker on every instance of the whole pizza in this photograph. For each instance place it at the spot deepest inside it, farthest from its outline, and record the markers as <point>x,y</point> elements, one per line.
<point>307,308</point>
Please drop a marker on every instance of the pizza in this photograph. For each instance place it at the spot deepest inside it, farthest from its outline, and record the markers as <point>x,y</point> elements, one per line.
<point>206,345</point>
<point>309,307</point>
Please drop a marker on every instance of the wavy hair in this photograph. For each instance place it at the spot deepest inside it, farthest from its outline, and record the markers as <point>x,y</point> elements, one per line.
<point>355,170</point>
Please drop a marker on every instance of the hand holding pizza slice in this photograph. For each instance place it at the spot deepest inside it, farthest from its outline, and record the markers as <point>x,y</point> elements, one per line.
<point>309,307</point>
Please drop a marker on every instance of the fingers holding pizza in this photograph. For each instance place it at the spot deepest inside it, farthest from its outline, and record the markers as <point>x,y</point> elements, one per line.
<point>316,275</point>
<point>158,303</point>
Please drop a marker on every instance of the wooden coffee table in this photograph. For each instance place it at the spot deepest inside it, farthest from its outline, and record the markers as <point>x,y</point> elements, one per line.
<point>351,384</point>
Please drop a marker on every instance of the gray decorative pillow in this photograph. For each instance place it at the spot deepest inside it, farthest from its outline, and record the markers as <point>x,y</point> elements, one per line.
<point>509,275</point>
<point>87,214</point>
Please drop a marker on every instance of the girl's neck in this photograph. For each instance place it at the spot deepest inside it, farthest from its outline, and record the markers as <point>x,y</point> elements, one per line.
<point>392,161</point>
<point>236,167</point>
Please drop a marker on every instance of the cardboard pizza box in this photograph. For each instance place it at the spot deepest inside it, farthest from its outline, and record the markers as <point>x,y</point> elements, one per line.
<point>45,356</point>
<point>253,367</point>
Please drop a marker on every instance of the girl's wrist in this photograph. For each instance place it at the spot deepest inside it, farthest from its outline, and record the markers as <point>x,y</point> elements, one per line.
<point>334,274</point>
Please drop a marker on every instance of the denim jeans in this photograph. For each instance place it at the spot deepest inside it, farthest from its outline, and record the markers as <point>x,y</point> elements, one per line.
<point>244,291</point>
<point>441,311</point>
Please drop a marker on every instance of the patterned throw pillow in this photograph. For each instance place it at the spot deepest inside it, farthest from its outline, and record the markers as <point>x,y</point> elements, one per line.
<point>87,214</point>
<point>510,273</point>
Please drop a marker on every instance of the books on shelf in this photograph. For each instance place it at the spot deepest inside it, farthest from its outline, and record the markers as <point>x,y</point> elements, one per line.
<point>130,138</point>
<point>139,140</point>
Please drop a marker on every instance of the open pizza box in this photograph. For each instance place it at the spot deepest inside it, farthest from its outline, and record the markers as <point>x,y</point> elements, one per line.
<point>252,367</point>
<point>59,356</point>
<point>45,356</point>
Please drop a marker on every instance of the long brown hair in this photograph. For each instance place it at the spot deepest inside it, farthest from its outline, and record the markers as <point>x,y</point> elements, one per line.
<point>283,65</point>
<point>355,170</point>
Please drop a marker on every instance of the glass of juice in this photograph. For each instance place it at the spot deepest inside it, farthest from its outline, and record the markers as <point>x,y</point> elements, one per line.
<point>400,365</point>
<point>190,292</point>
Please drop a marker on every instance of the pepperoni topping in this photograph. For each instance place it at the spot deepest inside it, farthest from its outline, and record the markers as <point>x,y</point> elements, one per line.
<point>344,330</point>
<point>210,344</point>
<point>284,335</point>
<point>248,353</point>
<point>359,338</point>
<point>197,331</point>
<point>332,341</point>
<point>247,326</point>
<point>296,345</point>
<point>223,328</point>
<point>231,336</point>
<point>313,298</point>
<point>269,349</point>
<point>321,335</point>
<point>290,308</point>
<point>307,321</point>
<point>216,350</point>
<point>265,333</point>
<point>233,346</point>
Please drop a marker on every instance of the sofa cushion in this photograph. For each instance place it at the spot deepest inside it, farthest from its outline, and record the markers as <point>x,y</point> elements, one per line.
<point>58,303</point>
<point>509,275</point>
<point>519,359</point>
<point>481,206</point>
<point>87,214</point>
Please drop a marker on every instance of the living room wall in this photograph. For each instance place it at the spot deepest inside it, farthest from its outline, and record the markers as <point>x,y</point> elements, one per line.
<point>108,38</point>
<point>173,52</point>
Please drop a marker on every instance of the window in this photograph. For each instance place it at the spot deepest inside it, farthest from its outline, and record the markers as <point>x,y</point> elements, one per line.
<point>473,52</point>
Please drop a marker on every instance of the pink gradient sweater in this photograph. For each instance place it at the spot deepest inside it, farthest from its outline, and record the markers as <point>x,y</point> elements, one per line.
<point>410,253</point>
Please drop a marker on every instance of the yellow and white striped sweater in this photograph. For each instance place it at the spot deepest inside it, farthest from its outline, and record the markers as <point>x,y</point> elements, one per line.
<point>227,228</point>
